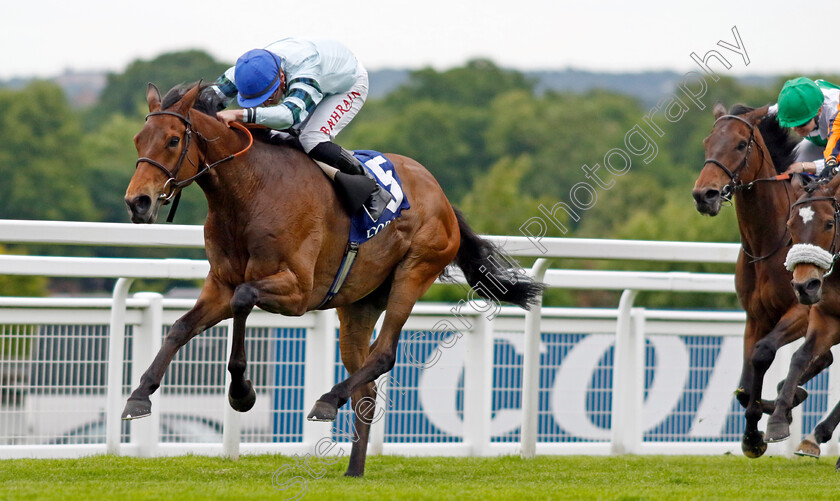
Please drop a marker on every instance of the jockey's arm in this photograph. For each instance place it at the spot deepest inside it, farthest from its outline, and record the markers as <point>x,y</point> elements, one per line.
<point>302,96</point>
<point>832,147</point>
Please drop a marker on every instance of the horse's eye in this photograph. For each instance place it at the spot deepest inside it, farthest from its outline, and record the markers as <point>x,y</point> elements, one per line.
<point>173,141</point>
<point>742,145</point>
<point>829,224</point>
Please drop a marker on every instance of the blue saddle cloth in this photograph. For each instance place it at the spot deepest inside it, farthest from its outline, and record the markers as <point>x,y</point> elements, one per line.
<point>362,227</point>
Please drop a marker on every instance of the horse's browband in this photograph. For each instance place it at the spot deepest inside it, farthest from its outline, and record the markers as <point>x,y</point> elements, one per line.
<point>736,117</point>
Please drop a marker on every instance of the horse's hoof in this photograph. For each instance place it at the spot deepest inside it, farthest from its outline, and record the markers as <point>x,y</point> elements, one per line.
<point>753,444</point>
<point>243,404</point>
<point>322,411</point>
<point>837,466</point>
<point>136,409</point>
<point>354,474</point>
<point>808,448</point>
<point>799,395</point>
<point>777,430</point>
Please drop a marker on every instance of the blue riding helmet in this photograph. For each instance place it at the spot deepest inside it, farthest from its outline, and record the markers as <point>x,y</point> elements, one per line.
<point>257,76</point>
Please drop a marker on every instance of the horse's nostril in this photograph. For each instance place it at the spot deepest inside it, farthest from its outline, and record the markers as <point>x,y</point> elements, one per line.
<point>809,292</point>
<point>712,195</point>
<point>141,204</point>
<point>812,286</point>
<point>706,196</point>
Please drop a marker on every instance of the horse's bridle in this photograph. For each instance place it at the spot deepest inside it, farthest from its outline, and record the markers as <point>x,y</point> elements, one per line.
<point>172,175</point>
<point>833,248</point>
<point>734,183</point>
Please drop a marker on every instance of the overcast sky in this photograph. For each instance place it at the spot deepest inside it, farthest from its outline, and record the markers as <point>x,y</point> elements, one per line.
<point>44,38</point>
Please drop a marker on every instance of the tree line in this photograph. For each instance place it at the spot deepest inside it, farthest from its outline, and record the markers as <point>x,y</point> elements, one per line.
<point>499,148</point>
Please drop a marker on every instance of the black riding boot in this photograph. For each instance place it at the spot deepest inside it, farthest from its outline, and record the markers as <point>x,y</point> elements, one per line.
<point>358,187</point>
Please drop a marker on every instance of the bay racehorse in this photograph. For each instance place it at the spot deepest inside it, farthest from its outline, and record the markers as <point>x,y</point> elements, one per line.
<point>813,226</point>
<point>745,154</point>
<point>275,237</point>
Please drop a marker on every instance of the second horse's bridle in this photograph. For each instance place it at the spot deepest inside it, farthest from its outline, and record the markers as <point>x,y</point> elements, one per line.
<point>734,184</point>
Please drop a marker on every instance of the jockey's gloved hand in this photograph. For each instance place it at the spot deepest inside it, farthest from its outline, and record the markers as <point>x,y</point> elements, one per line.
<point>830,168</point>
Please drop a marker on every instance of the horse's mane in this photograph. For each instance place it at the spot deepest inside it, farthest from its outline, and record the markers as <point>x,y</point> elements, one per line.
<point>779,142</point>
<point>207,102</point>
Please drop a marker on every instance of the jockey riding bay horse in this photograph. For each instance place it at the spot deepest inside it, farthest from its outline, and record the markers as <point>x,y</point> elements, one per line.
<point>813,227</point>
<point>745,152</point>
<point>276,236</point>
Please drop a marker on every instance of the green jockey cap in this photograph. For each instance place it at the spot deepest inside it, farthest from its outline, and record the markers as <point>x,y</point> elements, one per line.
<point>799,101</point>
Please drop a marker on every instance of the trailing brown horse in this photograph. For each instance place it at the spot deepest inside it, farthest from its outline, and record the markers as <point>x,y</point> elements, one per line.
<point>813,227</point>
<point>744,155</point>
<point>275,237</point>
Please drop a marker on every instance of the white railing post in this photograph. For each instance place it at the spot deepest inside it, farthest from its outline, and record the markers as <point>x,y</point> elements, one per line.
<point>833,398</point>
<point>625,374</point>
<point>778,372</point>
<point>145,343</point>
<point>232,425</point>
<point>478,385</point>
<point>116,348</point>
<point>318,372</point>
<point>531,368</point>
<point>377,428</point>
<point>637,389</point>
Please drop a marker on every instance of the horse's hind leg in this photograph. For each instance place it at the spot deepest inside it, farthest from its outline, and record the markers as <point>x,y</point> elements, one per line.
<point>410,282</point>
<point>241,394</point>
<point>211,308</point>
<point>357,322</point>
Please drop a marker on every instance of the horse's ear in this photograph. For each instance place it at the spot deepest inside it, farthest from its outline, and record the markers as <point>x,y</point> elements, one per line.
<point>797,182</point>
<point>757,114</point>
<point>834,184</point>
<point>186,103</point>
<point>719,110</point>
<point>153,97</point>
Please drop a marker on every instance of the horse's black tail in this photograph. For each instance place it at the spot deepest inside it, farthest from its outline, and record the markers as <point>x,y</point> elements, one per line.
<point>492,274</point>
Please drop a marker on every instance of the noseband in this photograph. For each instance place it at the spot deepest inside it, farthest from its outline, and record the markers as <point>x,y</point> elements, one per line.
<point>734,183</point>
<point>832,250</point>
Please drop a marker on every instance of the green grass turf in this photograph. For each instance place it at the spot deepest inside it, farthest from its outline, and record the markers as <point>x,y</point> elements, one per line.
<point>389,477</point>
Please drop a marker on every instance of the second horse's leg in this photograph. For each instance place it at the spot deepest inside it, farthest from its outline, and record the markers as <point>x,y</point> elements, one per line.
<point>822,333</point>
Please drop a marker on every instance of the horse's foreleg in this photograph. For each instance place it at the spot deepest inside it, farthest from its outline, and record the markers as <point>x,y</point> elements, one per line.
<point>789,327</point>
<point>751,337</point>
<point>241,394</point>
<point>816,366</point>
<point>279,293</point>
<point>821,336</point>
<point>211,308</point>
<point>810,445</point>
